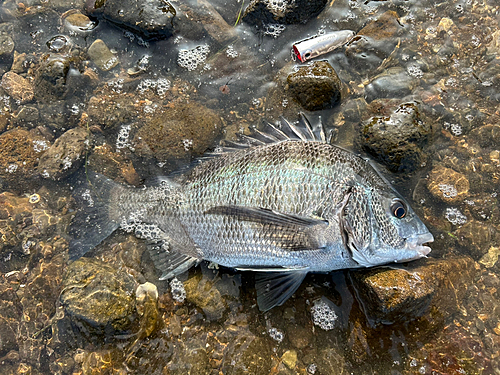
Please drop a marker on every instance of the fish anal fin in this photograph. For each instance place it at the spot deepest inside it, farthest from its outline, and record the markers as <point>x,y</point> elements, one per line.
<point>274,288</point>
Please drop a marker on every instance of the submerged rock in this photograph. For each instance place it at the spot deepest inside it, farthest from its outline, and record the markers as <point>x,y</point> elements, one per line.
<point>287,12</point>
<point>17,87</point>
<point>19,155</point>
<point>153,19</point>
<point>392,83</point>
<point>315,86</point>
<point>100,54</point>
<point>65,156</point>
<point>390,295</point>
<point>397,140</point>
<point>98,295</point>
<point>187,129</point>
<point>10,311</point>
<point>447,185</point>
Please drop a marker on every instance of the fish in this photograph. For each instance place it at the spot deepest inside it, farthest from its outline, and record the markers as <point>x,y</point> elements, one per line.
<point>318,45</point>
<point>282,202</point>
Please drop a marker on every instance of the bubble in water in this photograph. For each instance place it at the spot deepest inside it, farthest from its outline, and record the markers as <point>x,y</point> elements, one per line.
<point>279,6</point>
<point>323,314</point>
<point>274,29</point>
<point>449,191</point>
<point>454,216</point>
<point>231,52</point>
<point>191,58</point>
<point>276,334</point>
<point>177,290</point>
<point>122,138</point>
<point>415,71</point>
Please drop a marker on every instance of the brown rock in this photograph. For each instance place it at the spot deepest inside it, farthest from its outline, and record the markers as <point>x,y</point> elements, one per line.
<point>447,185</point>
<point>315,86</point>
<point>476,237</point>
<point>187,129</point>
<point>18,87</point>
<point>391,295</point>
<point>114,165</point>
<point>65,156</point>
<point>19,155</point>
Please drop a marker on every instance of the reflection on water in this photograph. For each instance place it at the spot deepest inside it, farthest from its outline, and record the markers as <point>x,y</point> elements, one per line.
<point>135,90</point>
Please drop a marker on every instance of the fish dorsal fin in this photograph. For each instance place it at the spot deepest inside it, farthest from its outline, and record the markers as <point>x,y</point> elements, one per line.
<point>274,133</point>
<point>274,288</point>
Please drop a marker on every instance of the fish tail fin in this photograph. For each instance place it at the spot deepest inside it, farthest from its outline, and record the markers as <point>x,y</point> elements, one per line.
<point>98,213</point>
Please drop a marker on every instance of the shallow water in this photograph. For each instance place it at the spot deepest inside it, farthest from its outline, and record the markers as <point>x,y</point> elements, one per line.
<point>434,316</point>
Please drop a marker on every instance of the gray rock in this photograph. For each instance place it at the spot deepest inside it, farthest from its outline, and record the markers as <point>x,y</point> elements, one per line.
<point>26,116</point>
<point>315,86</point>
<point>152,19</point>
<point>260,12</point>
<point>6,47</point>
<point>98,295</point>
<point>397,140</point>
<point>65,156</point>
<point>392,83</point>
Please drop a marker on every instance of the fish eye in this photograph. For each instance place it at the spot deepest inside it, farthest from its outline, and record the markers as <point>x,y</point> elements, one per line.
<point>398,209</point>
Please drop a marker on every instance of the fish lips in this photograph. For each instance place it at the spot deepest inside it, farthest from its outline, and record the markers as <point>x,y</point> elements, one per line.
<point>415,244</point>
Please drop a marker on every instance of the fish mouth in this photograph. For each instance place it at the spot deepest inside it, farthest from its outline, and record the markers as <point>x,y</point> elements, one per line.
<point>415,243</point>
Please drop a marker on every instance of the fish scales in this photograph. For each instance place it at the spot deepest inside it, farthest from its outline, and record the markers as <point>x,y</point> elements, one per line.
<point>287,206</point>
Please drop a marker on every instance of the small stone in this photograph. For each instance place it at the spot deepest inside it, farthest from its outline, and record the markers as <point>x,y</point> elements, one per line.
<point>299,336</point>
<point>289,358</point>
<point>100,54</point>
<point>445,24</point>
<point>51,78</point>
<point>17,87</point>
<point>65,156</point>
<point>6,46</point>
<point>78,22</point>
<point>392,83</point>
<point>26,116</point>
<point>315,86</point>
<point>447,185</point>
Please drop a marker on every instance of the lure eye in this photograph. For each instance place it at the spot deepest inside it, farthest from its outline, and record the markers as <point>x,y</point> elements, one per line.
<point>398,209</point>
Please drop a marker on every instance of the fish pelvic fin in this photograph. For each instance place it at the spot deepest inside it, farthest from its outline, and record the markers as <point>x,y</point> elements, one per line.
<point>170,263</point>
<point>97,216</point>
<point>274,288</point>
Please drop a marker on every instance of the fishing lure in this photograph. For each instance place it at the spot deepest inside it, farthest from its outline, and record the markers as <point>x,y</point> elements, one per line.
<point>318,45</point>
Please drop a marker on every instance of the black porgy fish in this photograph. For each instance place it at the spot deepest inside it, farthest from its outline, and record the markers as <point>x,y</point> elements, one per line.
<point>284,203</point>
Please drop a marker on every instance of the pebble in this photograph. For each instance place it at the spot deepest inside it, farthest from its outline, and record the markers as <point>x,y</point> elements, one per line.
<point>100,54</point>
<point>289,358</point>
<point>447,185</point>
<point>17,87</point>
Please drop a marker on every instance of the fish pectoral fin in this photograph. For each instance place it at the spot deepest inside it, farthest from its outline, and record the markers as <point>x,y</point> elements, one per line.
<point>274,288</point>
<point>170,263</point>
<point>265,216</point>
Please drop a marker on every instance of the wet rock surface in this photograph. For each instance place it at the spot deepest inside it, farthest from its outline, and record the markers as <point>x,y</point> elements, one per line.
<point>17,87</point>
<point>391,295</point>
<point>315,86</point>
<point>98,295</point>
<point>188,129</point>
<point>19,155</point>
<point>65,156</point>
<point>397,140</point>
<point>150,18</point>
<point>262,12</point>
